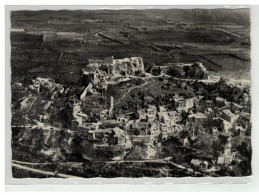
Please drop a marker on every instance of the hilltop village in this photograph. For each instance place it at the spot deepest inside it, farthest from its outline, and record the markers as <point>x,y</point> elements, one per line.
<point>177,112</point>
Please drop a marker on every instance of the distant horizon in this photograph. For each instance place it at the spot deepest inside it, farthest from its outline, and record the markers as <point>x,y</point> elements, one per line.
<point>126,7</point>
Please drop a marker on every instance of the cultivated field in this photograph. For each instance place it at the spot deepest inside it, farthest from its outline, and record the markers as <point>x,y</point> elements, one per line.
<point>218,39</point>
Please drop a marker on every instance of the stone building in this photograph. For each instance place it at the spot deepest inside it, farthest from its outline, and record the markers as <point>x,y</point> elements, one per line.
<point>229,116</point>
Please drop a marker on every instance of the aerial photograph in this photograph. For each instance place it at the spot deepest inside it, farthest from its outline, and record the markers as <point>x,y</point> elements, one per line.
<point>133,93</point>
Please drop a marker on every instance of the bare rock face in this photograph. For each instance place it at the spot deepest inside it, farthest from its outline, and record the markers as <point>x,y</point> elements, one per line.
<point>192,71</point>
<point>179,71</point>
<point>46,143</point>
<point>200,71</point>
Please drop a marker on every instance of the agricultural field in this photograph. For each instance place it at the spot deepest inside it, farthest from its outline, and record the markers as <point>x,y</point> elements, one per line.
<point>158,37</point>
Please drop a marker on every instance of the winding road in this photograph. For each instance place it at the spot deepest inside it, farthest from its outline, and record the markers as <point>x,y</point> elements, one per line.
<point>47,173</point>
<point>124,95</point>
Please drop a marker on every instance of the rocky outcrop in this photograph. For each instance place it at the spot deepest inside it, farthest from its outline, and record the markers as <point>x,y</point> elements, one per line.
<point>44,144</point>
<point>199,71</point>
<point>56,145</point>
<point>192,71</point>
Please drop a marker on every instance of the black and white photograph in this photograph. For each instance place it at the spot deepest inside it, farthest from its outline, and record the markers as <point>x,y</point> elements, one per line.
<point>130,93</point>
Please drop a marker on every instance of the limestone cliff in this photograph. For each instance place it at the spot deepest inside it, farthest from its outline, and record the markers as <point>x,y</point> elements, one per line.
<point>57,145</point>
<point>192,71</point>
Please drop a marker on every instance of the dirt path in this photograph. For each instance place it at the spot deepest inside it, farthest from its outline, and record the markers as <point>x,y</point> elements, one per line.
<point>158,161</point>
<point>159,76</point>
<point>228,32</point>
<point>48,163</point>
<point>138,86</point>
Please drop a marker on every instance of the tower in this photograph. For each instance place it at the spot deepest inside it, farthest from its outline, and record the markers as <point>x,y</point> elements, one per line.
<point>111,103</point>
<point>111,106</point>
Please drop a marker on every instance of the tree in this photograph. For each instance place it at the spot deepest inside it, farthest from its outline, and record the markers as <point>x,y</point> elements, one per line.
<point>243,150</point>
<point>215,148</point>
<point>223,139</point>
<point>236,132</point>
